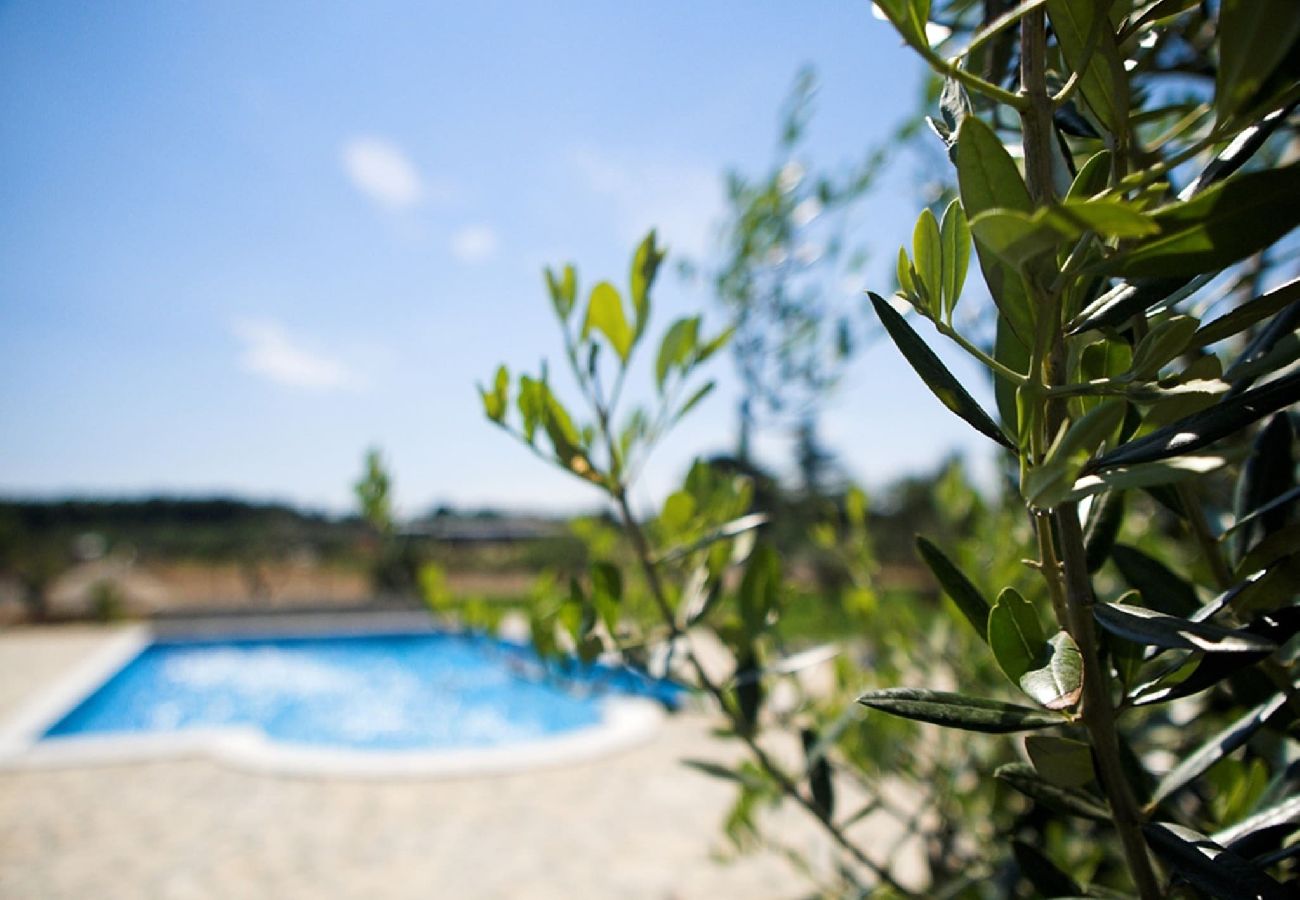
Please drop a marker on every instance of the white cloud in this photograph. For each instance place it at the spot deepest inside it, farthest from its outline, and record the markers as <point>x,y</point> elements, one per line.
<point>474,243</point>
<point>681,200</point>
<point>383,172</point>
<point>270,352</point>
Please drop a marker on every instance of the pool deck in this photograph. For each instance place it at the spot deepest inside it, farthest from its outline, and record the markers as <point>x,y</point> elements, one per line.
<point>635,824</point>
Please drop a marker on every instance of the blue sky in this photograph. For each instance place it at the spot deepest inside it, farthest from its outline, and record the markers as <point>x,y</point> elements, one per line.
<point>241,242</point>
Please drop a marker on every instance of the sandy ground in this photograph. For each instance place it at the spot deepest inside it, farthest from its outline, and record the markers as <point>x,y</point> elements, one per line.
<point>636,824</point>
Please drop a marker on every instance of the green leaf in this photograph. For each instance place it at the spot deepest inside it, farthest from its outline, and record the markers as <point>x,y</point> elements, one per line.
<point>1279,815</point>
<point>496,400</point>
<point>1119,304</point>
<point>1268,474</point>
<point>1278,626</point>
<point>1203,428</point>
<point>937,378</point>
<point>1070,801</point>
<point>1217,227</point>
<point>955,240</point>
<point>758,589</point>
<point>563,291</point>
<point>678,511</point>
<point>1105,516</point>
<point>1056,681</point>
<point>1146,626</point>
<point>905,283</point>
<point>819,775</point>
<point>1015,634</point>
<point>927,251</point>
<point>1279,545</point>
<point>717,770</point>
<point>605,314</point>
<point>1161,589</point>
<point>957,711</point>
<point>988,179</point>
<point>903,15</point>
<point>986,174</point>
<point>969,601</point>
<point>1015,237</point>
<point>1107,217</point>
<point>1207,866</point>
<point>1144,475</point>
<point>532,405</point>
<point>1053,481</point>
<point>1248,314</point>
<point>1254,37</point>
<point>645,264</point>
<point>1013,353</point>
<point>606,579</point>
<point>1093,177</point>
<point>677,347</point>
<point>1019,238</point>
<point>1166,340</point>
<point>1217,747</point>
<point>1086,39</point>
<point>1064,762</point>
<point>694,399</point>
<point>1042,873</point>
<point>1087,433</point>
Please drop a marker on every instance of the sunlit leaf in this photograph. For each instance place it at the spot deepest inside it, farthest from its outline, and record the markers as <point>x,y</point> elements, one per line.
<point>496,400</point>
<point>957,711</point>
<point>605,314</point>
<point>927,251</point>
<point>1146,626</point>
<point>645,263</point>
<point>1056,678</point>
<point>563,290</point>
<point>955,239</point>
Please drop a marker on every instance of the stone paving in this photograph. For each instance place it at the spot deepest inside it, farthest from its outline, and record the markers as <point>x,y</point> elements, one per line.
<point>636,824</point>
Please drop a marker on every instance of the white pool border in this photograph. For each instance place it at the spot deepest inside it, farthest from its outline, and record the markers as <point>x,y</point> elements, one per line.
<point>625,721</point>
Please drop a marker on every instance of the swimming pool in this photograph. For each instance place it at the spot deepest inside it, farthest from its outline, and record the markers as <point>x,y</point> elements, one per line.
<point>425,702</point>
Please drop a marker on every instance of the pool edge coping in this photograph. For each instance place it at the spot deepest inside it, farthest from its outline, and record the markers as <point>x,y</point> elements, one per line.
<point>625,721</point>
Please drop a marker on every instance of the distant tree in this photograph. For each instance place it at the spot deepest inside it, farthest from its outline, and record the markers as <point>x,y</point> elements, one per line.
<point>373,491</point>
<point>783,259</point>
<point>397,560</point>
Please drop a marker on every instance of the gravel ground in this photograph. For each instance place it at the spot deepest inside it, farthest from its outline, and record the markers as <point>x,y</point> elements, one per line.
<point>636,824</point>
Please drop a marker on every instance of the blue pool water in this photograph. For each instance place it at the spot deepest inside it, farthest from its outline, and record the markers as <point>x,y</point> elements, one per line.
<point>380,692</point>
